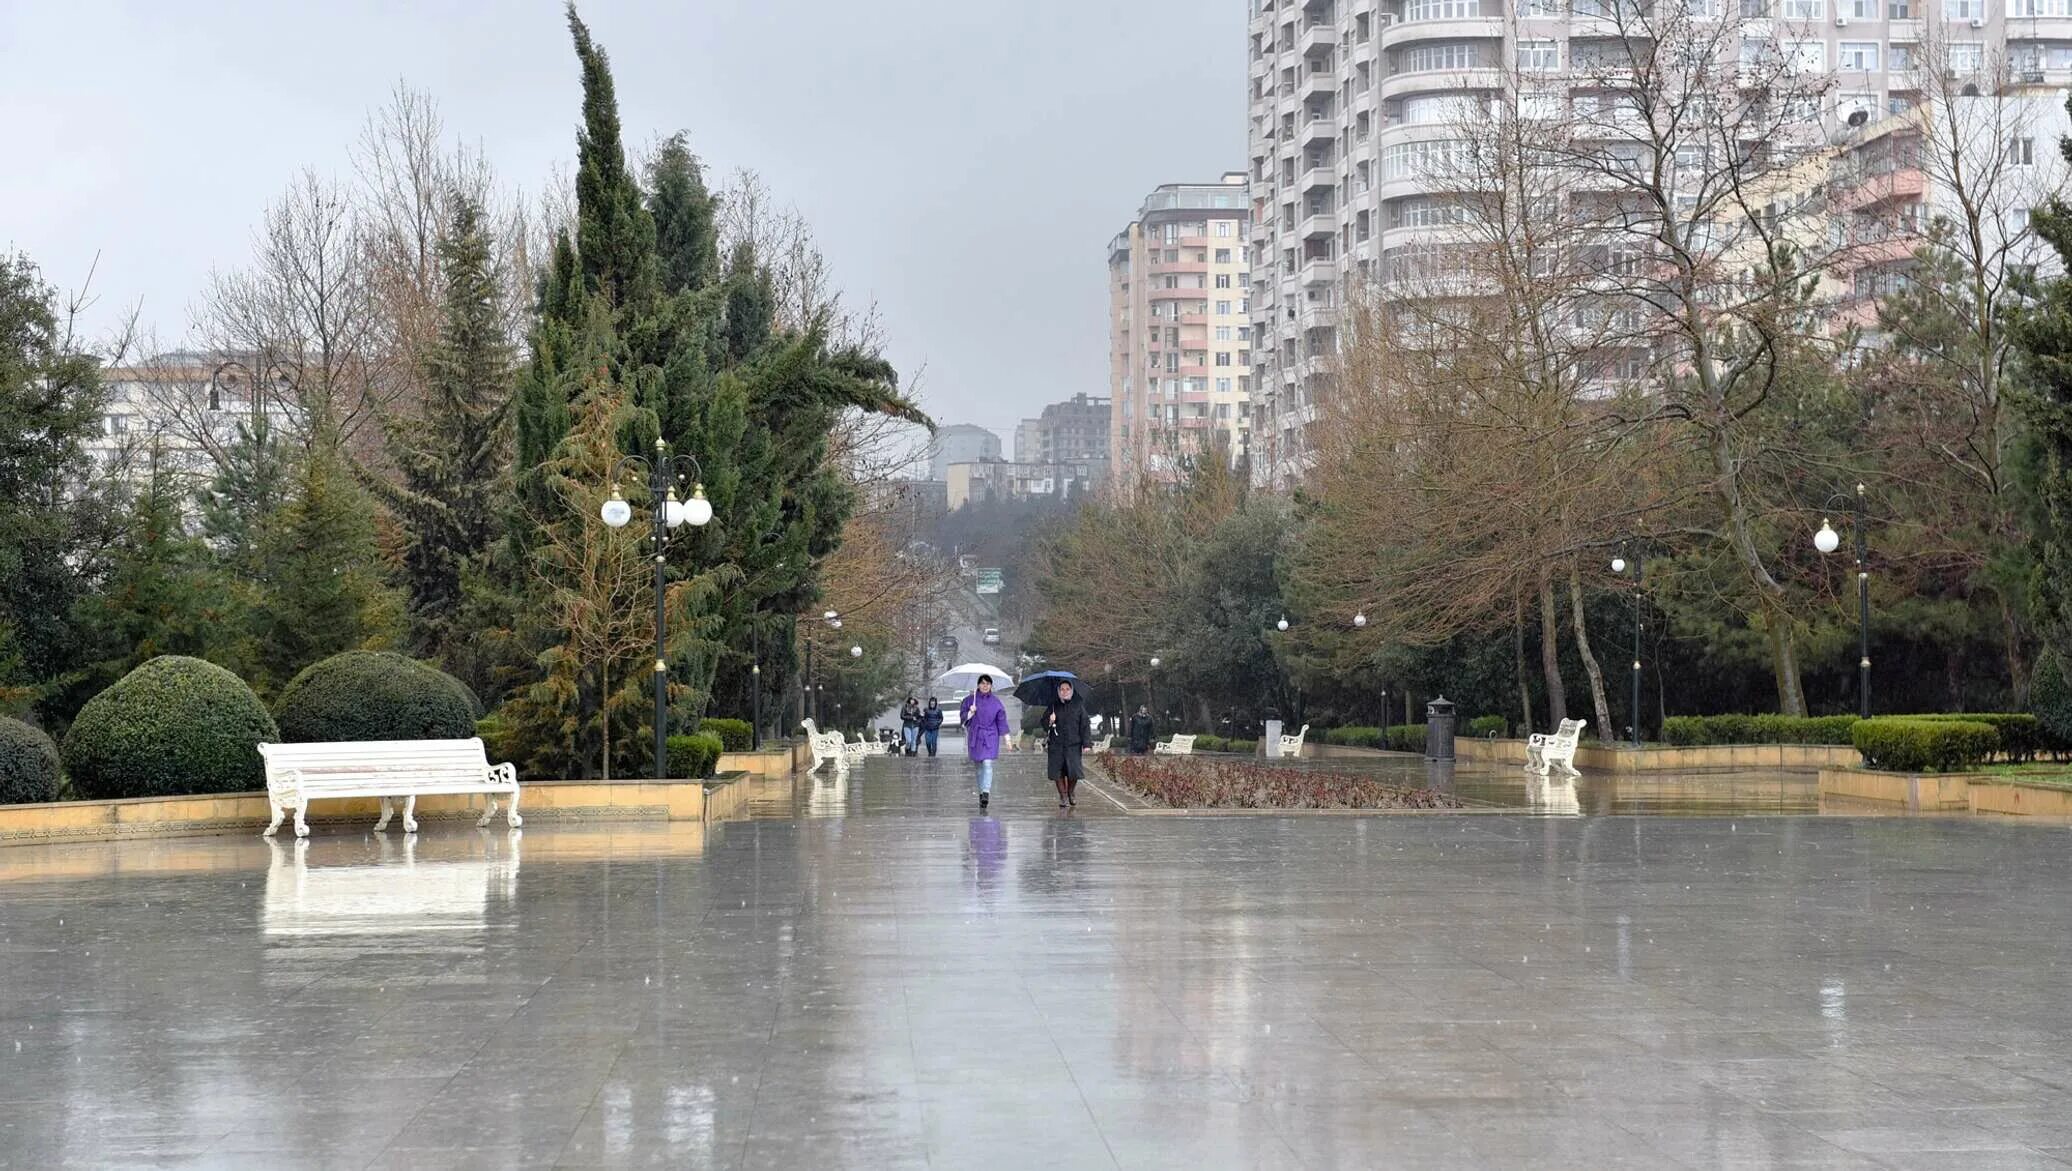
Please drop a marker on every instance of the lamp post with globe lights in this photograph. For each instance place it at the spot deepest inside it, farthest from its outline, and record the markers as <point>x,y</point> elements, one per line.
<point>1827,540</point>
<point>1619,565</point>
<point>664,473</point>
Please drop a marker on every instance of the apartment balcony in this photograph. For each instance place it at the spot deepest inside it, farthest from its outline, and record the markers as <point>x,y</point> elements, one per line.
<point>1195,294</point>
<point>1188,319</point>
<point>1412,32</point>
<point>1178,267</point>
<point>1319,271</point>
<point>1318,177</point>
<point>2026,29</point>
<point>1318,83</point>
<point>1905,32</point>
<point>1323,129</point>
<point>1320,225</point>
<point>1902,186</point>
<point>1320,317</point>
<point>1313,37</point>
<point>1440,81</point>
<point>1876,253</point>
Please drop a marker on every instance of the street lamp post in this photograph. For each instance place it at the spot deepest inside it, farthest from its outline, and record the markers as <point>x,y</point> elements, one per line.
<point>1827,541</point>
<point>1151,688</point>
<point>664,472</point>
<point>1639,572</point>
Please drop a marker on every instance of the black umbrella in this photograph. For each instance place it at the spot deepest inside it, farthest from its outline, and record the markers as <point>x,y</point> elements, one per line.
<point>1041,689</point>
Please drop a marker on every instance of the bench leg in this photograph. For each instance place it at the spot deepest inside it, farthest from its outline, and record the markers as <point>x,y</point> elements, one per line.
<point>486,814</point>
<point>410,814</point>
<point>511,818</point>
<point>271,826</point>
<point>387,811</point>
<point>301,825</point>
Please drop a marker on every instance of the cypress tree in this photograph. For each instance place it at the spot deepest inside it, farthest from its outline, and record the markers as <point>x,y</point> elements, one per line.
<point>686,232</point>
<point>2045,336</point>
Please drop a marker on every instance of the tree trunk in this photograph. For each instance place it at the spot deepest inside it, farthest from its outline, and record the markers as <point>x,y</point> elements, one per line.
<point>1550,652</point>
<point>1518,659</point>
<point>1591,667</point>
<point>1769,596</point>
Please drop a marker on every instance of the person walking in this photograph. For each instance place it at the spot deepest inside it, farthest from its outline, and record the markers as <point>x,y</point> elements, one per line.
<point>985,733</point>
<point>910,724</point>
<point>1140,731</point>
<point>931,724</point>
<point>1071,731</point>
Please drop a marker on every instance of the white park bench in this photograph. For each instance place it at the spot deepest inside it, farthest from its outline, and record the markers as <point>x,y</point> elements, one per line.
<point>1103,744</point>
<point>854,753</point>
<point>1177,746</point>
<point>827,746</point>
<point>297,774</point>
<point>1292,745</point>
<point>1544,751</point>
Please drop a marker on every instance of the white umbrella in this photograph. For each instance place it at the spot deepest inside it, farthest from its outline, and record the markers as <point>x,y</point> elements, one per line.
<point>1002,681</point>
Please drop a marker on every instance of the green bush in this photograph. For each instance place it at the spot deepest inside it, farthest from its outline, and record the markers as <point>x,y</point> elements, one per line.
<point>2021,734</point>
<point>174,725</point>
<point>28,764</point>
<point>694,756</point>
<point>1911,744</point>
<point>1355,737</point>
<point>1487,727</point>
<point>2050,698</point>
<point>1688,731</point>
<point>1208,742</point>
<point>735,734</point>
<point>1406,738</point>
<point>374,695</point>
<point>1248,747</point>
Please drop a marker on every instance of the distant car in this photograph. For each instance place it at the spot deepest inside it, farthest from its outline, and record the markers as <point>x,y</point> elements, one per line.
<point>992,637</point>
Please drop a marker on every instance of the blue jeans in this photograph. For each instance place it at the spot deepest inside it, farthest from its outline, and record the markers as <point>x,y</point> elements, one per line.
<point>985,776</point>
<point>928,737</point>
<point>909,734</point>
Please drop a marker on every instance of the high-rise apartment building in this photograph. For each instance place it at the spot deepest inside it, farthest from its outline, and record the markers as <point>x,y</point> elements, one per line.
<point>1351,100</point>
<point>960,443</point>
<point>1180,352</point>
<point>1073,431</point>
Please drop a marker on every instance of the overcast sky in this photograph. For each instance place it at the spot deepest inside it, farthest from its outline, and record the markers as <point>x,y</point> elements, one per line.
<point>963,162</point>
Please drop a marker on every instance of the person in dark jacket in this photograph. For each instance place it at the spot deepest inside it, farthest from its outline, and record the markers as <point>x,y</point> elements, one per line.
<point>910,724</point>
<point>1071,731</point>
<point>1140,731</point>
<point>931,724</point>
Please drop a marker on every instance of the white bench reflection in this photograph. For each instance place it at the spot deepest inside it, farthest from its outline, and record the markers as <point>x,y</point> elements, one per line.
<point>1552,795</point>
<point>400,892</point>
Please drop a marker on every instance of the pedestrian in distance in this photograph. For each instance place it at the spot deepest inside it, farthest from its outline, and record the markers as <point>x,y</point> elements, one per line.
<point>1071,730</point>
<point>910,724</point>
<point>986,732</point>
<point>931,724</point>
<point>1140,731</point>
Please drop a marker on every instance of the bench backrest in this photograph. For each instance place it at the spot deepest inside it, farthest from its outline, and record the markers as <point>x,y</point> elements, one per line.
<point>1182,743</point>
<point>350,760</point>
<point>1569,732</point>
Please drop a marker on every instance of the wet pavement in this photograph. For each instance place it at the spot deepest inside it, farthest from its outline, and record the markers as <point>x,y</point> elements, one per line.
<point>874,976</point>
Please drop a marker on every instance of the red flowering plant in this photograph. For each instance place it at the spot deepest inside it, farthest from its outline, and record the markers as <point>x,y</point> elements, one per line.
<point>1209,783</point>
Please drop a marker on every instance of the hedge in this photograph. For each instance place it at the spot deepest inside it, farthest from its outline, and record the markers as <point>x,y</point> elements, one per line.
<point>1693,731</point>
<point>375,695</point>
<point>735,734</point>
<point>694,756</point>
<point>1355,737</point>
<point>2021,735</point>
<point>1913,744</point>
<point>1487,727</point>
<point>1406,737</point>
<point>174,725</point>
<point>28,764</point>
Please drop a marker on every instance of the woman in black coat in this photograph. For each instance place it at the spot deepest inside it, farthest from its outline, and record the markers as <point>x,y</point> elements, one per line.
<point>1071,731</point>
<point>1140,731</point>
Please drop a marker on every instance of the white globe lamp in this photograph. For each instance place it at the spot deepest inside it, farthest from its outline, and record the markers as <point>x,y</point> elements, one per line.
<point>616,512</point>
<point>1827,540</point>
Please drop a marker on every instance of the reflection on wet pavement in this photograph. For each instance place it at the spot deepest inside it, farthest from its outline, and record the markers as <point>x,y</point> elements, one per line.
<point>885,978</point>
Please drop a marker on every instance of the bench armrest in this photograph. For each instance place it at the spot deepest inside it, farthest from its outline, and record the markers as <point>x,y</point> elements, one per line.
<point>504,774</point>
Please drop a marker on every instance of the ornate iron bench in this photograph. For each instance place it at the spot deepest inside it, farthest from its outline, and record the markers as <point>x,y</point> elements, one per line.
<point>1292,745</point>
<point>1544,750</point>
<point>827,746</point>
<point>297,774</point>
<point>1177,746</point>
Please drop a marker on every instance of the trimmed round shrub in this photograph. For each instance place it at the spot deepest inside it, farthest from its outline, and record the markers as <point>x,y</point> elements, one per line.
<point>735,734</point>
<point>1406,737</point>
<point>1908,744</point>
<point>694,756</point>
<point>375,695</point>
<point>174,725</point>
<point>28,764</point>
<point>2050,697</point>
<point>2021,734</point>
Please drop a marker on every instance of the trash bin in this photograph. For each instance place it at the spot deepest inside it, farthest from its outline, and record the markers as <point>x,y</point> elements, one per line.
<point>1271,741</point>
<point>1439,717</point>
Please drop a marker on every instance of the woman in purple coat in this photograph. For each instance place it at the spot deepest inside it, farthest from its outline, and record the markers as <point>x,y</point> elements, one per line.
<point>985,732</point>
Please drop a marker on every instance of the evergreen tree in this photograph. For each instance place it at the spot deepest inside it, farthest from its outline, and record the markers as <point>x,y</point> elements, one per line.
<point>686,233</point>
<point>52,524</point>
<point>320,591</point>
<point>247,486</point>
<point>452,452</point>
<point>162,595</point>
<point>2045,337</point>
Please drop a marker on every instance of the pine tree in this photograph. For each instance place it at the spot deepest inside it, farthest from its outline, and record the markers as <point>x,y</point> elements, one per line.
<point>686,233</point>
<point>162,595</point>
<point>51,522</point>
<point>321,590</point>
<point>452,452</point>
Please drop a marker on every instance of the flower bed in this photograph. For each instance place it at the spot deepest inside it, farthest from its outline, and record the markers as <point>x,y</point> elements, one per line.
<point>1193,783</point>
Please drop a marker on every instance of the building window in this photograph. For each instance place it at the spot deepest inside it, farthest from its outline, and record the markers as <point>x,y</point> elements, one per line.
<point>1967,57</point>
<point>1539,55</point>
<point>1900,9</point>
<point>1222,280</point>
<point>1805,9</point>
<point>1244,333</point>
<point>1809,56</point>
<point>1222,333</point>
<point>1858,57</point>
<point>1441,9</point>
<point>1225,227</point>
<point>1964,9</point>
<point>1222,308</point>
<point>1860,9</point>
<point>2021,152</point>
<point>1427,58</point>
<point>1222,256</point>
<point>1223,386</point>
<point>1222,357</point>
